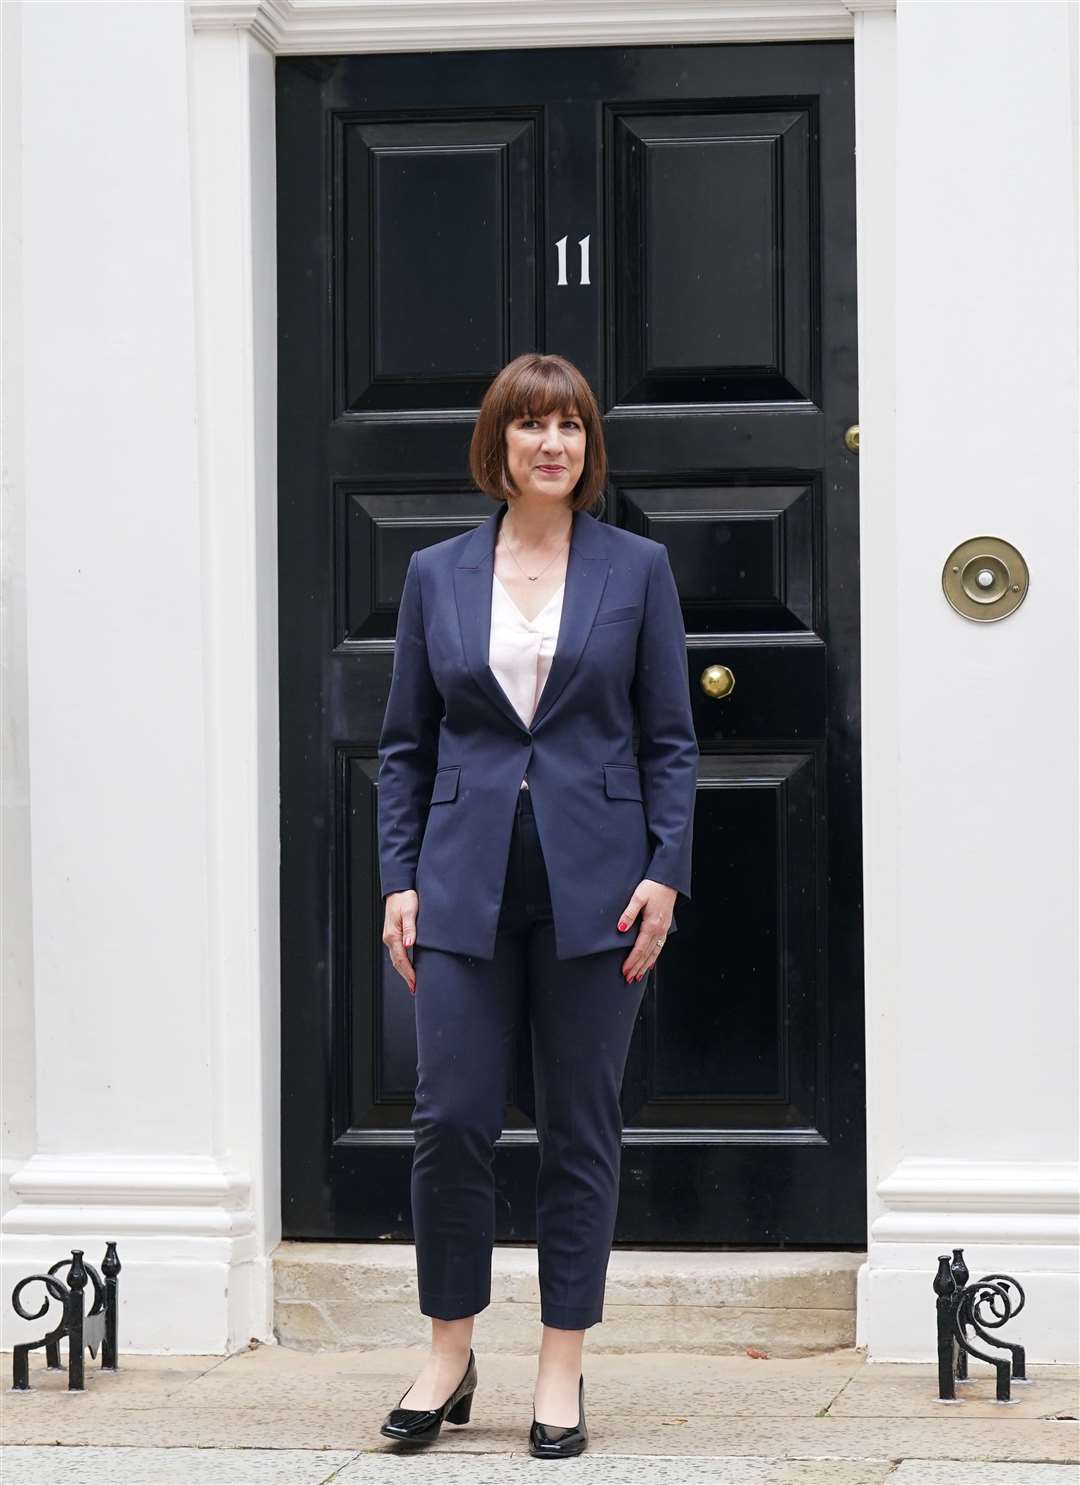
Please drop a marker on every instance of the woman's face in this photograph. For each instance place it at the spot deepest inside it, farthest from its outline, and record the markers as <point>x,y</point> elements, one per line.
<point>545,455</point>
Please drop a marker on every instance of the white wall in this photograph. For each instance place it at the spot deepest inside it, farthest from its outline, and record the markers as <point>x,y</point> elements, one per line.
<point>986,442</point>
<point>972,934</point>
<point>17,998</point>
<point>118,788</point>
<point>147,1063</point>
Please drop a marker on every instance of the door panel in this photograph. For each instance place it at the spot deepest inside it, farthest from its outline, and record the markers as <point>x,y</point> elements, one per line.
<point>710,255</point>
<point>743,1055</point>
<point>438,269</point>
<point>679,221</point>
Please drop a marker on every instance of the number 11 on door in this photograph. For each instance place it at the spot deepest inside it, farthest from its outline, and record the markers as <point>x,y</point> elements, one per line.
<point>560,248</point>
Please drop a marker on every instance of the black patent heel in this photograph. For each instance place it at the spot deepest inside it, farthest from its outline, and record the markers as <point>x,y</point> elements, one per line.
<point>550,1441</point>
<point>422,1425</point>
<point>460,1412</point>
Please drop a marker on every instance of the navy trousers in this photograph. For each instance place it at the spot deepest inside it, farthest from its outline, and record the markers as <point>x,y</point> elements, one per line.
<point>581,1016</point>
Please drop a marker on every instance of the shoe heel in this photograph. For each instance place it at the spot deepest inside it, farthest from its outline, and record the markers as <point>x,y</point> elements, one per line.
<point>460,1412</point>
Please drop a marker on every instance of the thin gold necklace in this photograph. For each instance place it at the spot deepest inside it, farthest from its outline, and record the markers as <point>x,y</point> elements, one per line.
<point>543,569</point>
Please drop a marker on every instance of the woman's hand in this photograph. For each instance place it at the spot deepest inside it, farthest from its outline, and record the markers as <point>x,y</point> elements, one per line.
<point>399,932</point>
<point>656,903</point>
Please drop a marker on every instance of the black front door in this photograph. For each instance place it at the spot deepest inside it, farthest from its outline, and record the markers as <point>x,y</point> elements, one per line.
<point>680,222</point>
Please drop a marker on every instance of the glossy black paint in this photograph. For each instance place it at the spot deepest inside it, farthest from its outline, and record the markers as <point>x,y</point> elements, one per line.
<point>421,198</point>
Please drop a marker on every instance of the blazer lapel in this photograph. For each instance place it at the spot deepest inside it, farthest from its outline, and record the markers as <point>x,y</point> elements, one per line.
<point>587,570</point>
<point>472,594</point>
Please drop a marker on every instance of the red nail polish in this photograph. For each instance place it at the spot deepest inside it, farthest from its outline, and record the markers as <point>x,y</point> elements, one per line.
<point>622,927</point>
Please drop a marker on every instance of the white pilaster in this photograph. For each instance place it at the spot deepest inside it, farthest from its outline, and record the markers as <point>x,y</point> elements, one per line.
<point>970,729</point>
<point>154,931</point>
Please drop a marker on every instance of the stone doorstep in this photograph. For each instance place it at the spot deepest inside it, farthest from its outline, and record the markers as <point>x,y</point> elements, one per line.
<point>337,1296</point>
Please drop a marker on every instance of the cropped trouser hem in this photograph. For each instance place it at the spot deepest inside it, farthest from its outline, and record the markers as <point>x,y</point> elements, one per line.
<point>437,1308</point>
<point>567,1317</point>
<point>559,1317</point>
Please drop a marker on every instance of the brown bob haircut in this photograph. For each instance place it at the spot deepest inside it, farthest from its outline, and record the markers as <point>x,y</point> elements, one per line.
<point>534,386</point>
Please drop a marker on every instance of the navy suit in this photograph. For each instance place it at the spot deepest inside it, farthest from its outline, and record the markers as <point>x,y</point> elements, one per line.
<point>520,890</point>
<point>453,750</point>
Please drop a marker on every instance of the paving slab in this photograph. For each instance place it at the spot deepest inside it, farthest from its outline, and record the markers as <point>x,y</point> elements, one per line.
<point>93,1466</point>
<point>863,1396</point>
<point>35,1465</point>
<point>741,1410</point>
<point>949,1472</point>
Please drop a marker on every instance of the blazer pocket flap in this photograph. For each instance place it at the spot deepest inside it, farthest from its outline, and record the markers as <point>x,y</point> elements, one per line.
<point>622,781</point>
<point>612,615</point>
<point>446,782</point>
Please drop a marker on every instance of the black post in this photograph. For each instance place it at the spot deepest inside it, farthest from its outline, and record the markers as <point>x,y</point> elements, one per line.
<point>961,1273</point>
<point>110,1349</point>
<point>945,1289</point>
<point>76,1296</point>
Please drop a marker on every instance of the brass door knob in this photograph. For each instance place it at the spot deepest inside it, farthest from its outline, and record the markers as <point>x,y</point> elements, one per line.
<point>717,681</point>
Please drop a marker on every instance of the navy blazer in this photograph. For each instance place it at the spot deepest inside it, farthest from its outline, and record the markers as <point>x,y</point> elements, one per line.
<point>611,754</point>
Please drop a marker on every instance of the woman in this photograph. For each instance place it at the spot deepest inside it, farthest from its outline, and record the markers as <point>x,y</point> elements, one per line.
<point>522,840</point>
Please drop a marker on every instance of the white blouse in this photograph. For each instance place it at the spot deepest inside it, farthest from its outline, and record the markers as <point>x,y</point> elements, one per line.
<point>520,649</point>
